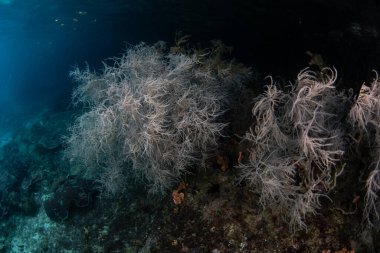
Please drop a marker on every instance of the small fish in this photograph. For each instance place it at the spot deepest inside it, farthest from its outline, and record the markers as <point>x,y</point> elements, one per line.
<point>81,12</point>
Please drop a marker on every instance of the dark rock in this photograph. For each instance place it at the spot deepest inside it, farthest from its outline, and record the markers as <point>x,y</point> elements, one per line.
<point>74,196</point>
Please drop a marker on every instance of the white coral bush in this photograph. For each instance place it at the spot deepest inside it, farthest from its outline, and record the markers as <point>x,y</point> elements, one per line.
<point>295,146</point>
<point>365,117</point>
<point>151,115</point>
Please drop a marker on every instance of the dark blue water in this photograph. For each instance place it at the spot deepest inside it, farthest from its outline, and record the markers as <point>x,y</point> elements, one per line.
<point>41,40</point>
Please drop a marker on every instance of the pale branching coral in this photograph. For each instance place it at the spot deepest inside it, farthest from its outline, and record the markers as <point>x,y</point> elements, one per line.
<point>366,109</point>
<point>296,145</point>
<point>371,210</point>
<point>267,131</point>
<point>365,117</point>
<point>313,111</point>
<point>150,115</point>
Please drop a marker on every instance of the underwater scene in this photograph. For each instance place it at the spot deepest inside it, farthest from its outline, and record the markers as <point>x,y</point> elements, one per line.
<point>192,126</point>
